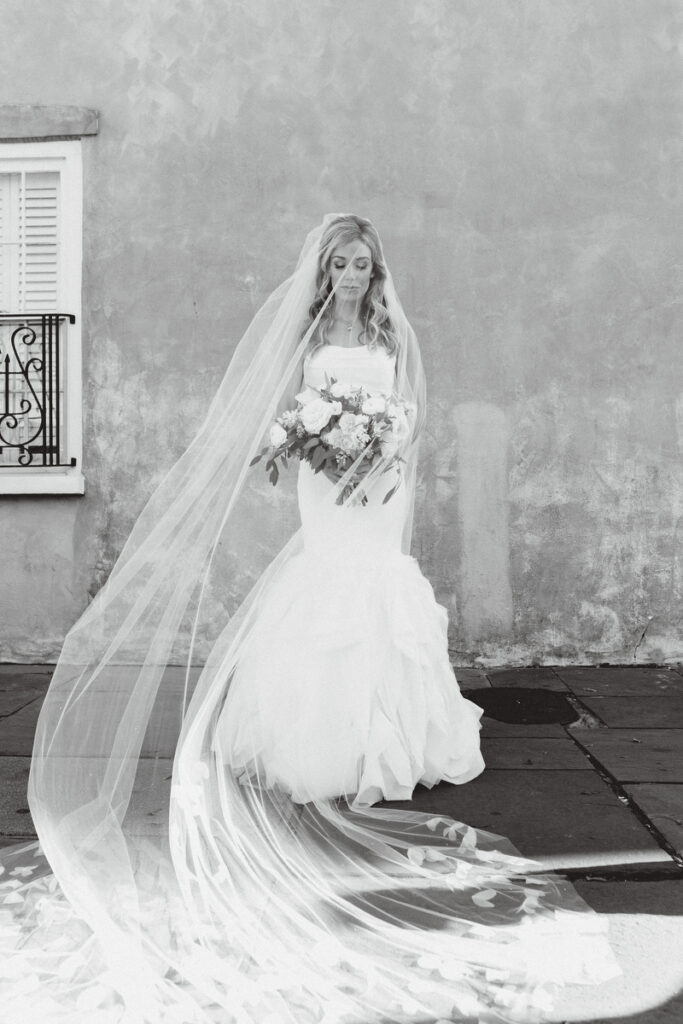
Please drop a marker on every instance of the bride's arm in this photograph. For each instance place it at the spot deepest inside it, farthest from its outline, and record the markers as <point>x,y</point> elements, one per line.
<point>412,390</point>
<point>296,382</point>
<point>292,388</point>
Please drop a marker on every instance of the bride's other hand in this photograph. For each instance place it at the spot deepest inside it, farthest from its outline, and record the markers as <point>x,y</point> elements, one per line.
<point>335,473</point>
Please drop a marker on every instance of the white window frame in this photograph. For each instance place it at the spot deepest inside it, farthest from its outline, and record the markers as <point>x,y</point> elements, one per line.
<point>64,156</point>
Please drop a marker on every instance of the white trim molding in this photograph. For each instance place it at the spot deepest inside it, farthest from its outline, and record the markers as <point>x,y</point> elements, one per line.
<point>64,157</point>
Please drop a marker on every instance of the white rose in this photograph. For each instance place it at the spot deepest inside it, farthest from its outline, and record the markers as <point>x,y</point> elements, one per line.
<point>338,390</point>
<point>353,444</point>
<point>374,405</point>
<point>351,421</point>
<point>334,437</point>
<point>278,436</point>
<point>316,414</point>
<point>307,395</point>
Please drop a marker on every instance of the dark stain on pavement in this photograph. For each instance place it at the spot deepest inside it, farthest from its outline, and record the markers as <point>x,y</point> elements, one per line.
<point>522,705</point>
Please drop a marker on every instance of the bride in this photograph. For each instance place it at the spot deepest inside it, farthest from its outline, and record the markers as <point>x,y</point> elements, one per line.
<point>230,709</point>
<point>345,687</point>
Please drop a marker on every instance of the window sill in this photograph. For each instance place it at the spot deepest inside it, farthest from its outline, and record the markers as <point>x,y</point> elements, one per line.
<point>41,482</point>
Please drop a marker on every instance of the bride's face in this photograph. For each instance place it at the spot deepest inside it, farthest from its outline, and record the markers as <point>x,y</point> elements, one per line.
<point>351,269</point>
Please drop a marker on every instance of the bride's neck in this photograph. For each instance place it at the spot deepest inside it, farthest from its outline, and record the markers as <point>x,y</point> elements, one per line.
<point>346,312</point>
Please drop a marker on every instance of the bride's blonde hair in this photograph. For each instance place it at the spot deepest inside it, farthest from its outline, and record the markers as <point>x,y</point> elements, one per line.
<point>377,326</point>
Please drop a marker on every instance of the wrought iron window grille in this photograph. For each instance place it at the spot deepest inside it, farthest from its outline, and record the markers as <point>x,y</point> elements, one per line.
<point>32,392</point>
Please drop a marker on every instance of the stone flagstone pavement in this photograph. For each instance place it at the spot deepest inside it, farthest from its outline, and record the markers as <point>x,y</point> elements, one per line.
<point>584,774</point>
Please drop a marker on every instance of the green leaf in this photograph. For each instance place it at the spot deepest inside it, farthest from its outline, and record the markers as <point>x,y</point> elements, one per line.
<point>257,458</point>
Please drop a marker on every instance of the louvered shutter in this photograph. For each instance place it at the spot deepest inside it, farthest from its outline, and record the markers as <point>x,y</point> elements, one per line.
<point>29,241</point>
<point>29,283</point>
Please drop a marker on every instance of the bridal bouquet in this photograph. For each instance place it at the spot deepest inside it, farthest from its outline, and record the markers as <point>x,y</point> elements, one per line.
<point>333,427</point>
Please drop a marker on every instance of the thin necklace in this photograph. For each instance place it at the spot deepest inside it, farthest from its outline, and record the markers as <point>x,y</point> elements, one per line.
<point>348,324</point>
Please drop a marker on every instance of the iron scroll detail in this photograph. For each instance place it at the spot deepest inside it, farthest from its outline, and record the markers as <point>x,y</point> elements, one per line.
<point>32,389</point>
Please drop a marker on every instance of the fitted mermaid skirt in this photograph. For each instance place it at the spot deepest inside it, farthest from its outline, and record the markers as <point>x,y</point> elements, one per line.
<point>344,687</point>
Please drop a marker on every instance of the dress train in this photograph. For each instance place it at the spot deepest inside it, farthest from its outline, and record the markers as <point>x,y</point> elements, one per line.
<point>260,885</point>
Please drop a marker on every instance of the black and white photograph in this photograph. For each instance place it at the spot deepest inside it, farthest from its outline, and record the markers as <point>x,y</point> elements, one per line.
<point>341,512</point>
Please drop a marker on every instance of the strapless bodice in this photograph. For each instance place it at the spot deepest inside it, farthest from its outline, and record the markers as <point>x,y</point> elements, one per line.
<point>373,368</point>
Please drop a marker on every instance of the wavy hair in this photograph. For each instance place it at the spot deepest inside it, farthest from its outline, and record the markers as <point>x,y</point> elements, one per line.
<point>377,326</point>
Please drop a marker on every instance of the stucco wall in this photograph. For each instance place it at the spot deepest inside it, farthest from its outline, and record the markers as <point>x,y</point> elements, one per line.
<point>524,165</point>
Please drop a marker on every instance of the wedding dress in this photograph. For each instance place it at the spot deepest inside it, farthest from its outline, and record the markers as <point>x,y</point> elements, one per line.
<point>345,686</point>
<point>221,721</point>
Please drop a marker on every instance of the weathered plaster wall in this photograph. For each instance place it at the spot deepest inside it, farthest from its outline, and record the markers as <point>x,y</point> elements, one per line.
<point>524,164</point>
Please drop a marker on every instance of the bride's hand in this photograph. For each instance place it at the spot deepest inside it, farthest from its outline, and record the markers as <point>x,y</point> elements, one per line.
<point>334,473</point>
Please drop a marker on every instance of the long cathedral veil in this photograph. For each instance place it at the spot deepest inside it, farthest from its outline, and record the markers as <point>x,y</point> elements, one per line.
<point>179,893</point>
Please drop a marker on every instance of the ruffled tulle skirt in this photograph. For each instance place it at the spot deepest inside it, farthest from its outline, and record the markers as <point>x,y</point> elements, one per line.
<point>344,687</point>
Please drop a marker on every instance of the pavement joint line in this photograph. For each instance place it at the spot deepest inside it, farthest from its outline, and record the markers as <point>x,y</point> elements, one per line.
<point>587,718</point>
<point>21,708</point>
<point>661,873</point>
<point>617,788</point>
<point>659,782</point>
